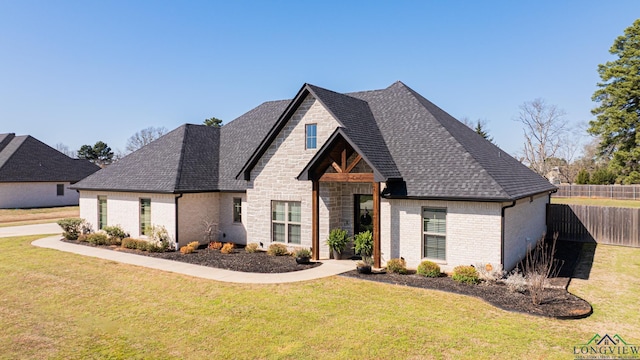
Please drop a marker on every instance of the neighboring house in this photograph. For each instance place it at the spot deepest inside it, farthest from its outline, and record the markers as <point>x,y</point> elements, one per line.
<point>290,171</point>
<point>33,174</point>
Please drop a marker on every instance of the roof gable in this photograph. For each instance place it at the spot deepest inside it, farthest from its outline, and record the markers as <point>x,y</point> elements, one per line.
<point>26,159</point>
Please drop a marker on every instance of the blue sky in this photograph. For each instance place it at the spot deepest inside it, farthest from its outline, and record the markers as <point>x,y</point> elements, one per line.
<point>76,72</point>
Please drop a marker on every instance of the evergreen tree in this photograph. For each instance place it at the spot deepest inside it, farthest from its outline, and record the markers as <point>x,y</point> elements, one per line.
<point>583,177</point>
<point>99,154</point>
<point>480,130</point>
<point>215,122</point>
<point>618,113</point>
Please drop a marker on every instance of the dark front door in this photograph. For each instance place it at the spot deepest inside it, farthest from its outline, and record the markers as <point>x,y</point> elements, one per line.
<point>363,213</point>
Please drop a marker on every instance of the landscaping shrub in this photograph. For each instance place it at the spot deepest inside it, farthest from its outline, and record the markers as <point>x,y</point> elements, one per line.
<point>194,245</point>
<point>302,252</point>
<point>539,265</point>
<point>227,248</point>
<point>115,231</point>
<point>398,266</point>
<point>277,250</point>
<point>97,238</point>
<point>363,244</point>
<point>429,269</point>
<point>71,227</point>
<point>516,282</point>
<point>114,241</point>
<point>142,245</point>
<point>251,248</point>
<point>82,237</point>
<point>186,249</point>
<point>129,243</point>
<point>337,240</point>
<point>489,272</point>
<point>465,274</point>
<point>216,245</point>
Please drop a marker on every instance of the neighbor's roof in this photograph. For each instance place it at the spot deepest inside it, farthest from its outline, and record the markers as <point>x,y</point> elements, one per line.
<point>26,159</point>
<point>417,148</point>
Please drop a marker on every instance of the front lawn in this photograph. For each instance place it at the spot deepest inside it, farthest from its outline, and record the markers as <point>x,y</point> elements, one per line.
<point>15,217</point>
<point>66,306</point>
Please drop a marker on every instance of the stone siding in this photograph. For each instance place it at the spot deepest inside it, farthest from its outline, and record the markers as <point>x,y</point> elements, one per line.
<point>274,176</point>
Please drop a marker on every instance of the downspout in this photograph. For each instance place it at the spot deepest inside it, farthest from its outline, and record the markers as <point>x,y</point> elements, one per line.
<point>176,209</point>
<point>502,231</point>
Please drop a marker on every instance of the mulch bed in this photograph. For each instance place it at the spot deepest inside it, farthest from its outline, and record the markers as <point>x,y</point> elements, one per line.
<point>558,302</point>
<point>238,260</point>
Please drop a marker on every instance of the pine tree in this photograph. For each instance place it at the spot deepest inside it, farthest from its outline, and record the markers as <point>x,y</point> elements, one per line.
<point>618,113</point>
<point>213,121</point>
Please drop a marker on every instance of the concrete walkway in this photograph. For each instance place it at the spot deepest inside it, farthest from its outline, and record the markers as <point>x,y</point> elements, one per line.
<point>328,267</point>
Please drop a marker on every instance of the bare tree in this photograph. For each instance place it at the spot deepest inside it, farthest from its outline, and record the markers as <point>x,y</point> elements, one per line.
<point>144,137</point>
<point>65,150</point>
<point>544,131</point>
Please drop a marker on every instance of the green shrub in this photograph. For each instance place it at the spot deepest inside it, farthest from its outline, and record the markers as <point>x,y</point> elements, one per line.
<point>129,243</point>
<point>115,231</point>
<point>302,252</point>
<point>71,227</point>
<point>465,274</point>
<point>398,266</point>
<point>82,237</point>
<point>251,248</point>
<point>97,239</point>
<point>277,250</point>
<point>142,245</point>
<point>337,240</point>
<point>429,269</point>
<point>363,244</point>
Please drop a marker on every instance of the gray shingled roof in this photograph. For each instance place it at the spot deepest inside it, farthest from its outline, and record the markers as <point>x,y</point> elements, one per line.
<point>184,160</point>
<point>26,159</point>
<point>417,148</point>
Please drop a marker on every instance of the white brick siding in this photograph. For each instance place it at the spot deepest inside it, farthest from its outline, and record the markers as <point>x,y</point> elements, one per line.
<point>472,231</point>
<point>36,194</point>
<point>123,208</point>
<point>193,211</point>
<point>274,176</point>
<point>230,231</point>
<point>524,225</point>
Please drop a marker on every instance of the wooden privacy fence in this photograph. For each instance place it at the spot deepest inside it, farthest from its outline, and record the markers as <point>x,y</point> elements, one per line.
<point>623,192</point>
<point>601,224</point>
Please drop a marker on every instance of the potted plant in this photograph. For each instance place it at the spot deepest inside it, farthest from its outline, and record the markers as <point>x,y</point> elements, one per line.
<point>303,255</point>
<point>363,245</point>
<point>364,266</point>
<point>337,241</point>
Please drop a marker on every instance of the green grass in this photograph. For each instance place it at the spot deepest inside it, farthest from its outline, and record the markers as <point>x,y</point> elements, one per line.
<point>597,202</point>
<point>58,305</point>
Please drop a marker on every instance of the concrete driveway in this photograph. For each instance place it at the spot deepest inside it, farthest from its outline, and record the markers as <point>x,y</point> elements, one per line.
<point>35,229</point>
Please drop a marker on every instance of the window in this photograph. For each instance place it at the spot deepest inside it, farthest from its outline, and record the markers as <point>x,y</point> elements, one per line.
<point>102,212</point>
<point>237,210</point>
<point>60,189</point>
<point>434,233</point>
<point>285,221</point>
<point>311,136</point>
<point>145,216</point>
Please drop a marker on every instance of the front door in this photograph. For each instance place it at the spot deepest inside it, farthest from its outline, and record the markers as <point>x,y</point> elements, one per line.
<point>363,213</point>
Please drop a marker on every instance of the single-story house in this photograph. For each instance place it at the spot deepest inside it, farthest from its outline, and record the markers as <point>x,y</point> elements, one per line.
<point>33,174</point>
<point>290,171</point>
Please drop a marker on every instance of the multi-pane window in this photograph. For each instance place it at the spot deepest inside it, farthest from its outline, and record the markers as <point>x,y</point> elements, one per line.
<point>60,189</point>
<point>145,216</point>
<point>102,212</point>
<point>285,221</point>
<point>311,136</point>
<point>434,233</point>
<point>237,210</point>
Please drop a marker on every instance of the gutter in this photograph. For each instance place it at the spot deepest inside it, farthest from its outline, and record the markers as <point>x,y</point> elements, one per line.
<point>176,210</point>
<point>502,231</point>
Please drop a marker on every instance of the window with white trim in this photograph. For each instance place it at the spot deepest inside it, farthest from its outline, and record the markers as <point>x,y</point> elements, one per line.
<point>286,221</point>
<point>145,216</point>
<point>311,136</point>
<point>102,212</point>
<point>434,233</point>
<point>237,210</point>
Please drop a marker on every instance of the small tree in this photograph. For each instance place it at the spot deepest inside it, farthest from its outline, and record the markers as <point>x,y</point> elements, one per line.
<point>602,176</point>
<point>213,121</point>
<point>99,154</point>
<point>583,177</point>
<point>540,264</point>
